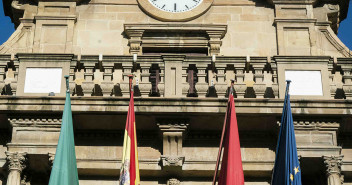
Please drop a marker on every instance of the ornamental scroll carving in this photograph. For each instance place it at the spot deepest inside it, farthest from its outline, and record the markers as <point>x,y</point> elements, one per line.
<point>173,160</point>
<point>173,181</point>
<point>16,161</point>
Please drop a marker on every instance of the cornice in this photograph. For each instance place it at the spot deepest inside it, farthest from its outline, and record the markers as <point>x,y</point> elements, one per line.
<point>18,104</point>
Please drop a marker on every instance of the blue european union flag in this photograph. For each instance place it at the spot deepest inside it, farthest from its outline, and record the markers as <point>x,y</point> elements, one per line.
<point>286,170</point>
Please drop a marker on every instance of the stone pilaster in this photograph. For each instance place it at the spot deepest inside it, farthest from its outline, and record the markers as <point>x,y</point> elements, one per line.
<point>172,132</point>
<point>16,164</point>
<point>333,169</point>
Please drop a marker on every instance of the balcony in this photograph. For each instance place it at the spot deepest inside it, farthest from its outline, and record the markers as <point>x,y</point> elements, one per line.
<point>178,76</point>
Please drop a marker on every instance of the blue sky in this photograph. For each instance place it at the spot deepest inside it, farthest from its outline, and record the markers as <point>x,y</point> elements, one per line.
<point>345,31</point>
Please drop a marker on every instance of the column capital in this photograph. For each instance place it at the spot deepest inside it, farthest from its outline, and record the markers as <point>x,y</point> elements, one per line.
<point>16,161</point>
<point>333,164</point>
<point>51,157</point>
<point>172,125</point>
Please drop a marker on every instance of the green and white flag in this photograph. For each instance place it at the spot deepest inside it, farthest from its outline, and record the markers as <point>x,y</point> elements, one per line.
<point>64,171</point>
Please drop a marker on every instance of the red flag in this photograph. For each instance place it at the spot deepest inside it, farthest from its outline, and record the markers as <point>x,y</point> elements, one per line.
<point>231,172</point>
<point>129,173</point>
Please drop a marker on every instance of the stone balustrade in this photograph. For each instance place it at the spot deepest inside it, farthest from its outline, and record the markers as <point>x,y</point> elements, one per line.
<point>179,75</point>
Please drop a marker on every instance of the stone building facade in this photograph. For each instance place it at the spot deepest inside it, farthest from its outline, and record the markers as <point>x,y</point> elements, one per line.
<point>182,61</point>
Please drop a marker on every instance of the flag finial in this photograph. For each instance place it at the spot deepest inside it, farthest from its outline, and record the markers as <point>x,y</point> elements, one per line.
<point>231,87</point>
<point>67,83</point>
<point>288,86</point>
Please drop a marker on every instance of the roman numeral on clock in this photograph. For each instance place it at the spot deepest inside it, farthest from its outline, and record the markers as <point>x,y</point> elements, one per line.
<point>175,6</point>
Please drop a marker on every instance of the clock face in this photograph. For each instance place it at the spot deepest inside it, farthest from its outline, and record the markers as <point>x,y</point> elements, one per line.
<point>175,6</point>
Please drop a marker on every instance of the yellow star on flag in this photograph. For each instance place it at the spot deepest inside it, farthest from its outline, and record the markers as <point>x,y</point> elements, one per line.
<point>291,177</point>
<point>296,170</point>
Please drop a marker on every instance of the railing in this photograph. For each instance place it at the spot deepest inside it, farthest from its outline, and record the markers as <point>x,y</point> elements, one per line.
<point>177,75</point>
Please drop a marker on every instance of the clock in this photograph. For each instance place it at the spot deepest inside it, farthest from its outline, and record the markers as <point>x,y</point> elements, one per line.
<point>175,5</point>
<point>175,10</point>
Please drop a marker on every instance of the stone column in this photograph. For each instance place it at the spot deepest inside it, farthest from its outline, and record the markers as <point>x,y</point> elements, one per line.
<point>88,84</point>
<point>240,87</point>
<point>347,77</point>
<point>16,164</point>
<point>72,83</point>
<point>107,85</point>
<point>221,85</point>
<point>202,86</point>
<point>259,86</point>
<point>333,169</point>
<point>125,84</point>
<point>2,75</point>
<point>275,85</point>
<point>144,85</point>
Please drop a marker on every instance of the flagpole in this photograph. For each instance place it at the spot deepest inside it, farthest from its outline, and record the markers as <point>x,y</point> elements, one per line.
<point>222,137</point>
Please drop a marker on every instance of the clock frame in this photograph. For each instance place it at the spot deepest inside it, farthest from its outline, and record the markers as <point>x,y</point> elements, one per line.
<point>155,12</point>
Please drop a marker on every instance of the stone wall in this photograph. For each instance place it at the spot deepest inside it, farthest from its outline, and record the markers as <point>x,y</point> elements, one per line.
<point>253,28</point>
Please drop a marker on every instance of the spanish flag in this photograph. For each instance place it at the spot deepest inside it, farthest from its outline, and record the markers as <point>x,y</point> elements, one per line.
<point>129,173</point>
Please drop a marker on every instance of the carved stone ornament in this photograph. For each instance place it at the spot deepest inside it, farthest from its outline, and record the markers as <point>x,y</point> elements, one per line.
<point>185,88</point>
<point>72,86</point>
<point>87,87</point>
<point>172,160</point>
<point>51,159</point>
<point>161,88</point>
<point>106,88</point>
<point>333,164</point>
<point>13,86</point>
<point>240,89</point>
<point>221,89</point>
<point>16,161</point>
<point>202,89</point>
<point>173,181</point>
<point>259,90</point>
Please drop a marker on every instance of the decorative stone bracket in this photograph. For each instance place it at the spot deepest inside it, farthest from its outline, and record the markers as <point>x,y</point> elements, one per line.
<point>213,32</point>
<point>172,133</point>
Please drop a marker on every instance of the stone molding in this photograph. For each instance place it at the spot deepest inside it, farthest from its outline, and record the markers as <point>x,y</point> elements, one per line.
<point>315,125</point>
<point>35,122</point>
<point>16,161</point>
<point>214,33</point>
<point>173,125</point>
